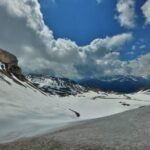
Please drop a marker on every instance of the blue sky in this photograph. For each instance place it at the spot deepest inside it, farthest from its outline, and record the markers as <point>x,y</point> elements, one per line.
<point>78,38</point>
<point>85,20</point>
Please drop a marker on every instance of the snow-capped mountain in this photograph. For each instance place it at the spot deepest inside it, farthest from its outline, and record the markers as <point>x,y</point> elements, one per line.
<point>55,85</point>
<point>65,87</point>
<point>122,84</point>
<point>145,90</point>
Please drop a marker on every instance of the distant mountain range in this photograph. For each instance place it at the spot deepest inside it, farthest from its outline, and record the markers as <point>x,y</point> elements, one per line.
<point>121,84</point>
<point>55,85</point>
<point>65,87</point>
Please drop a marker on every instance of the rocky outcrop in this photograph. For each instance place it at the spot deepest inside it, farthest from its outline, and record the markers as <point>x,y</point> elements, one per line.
<point>8,59</point>
<point>10,64</point>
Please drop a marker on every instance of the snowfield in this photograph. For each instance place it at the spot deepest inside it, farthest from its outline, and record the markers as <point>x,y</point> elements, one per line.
<point>26,111</point>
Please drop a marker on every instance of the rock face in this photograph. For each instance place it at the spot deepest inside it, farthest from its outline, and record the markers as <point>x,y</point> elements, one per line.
<point>8,58</point>
<point>11,64</point>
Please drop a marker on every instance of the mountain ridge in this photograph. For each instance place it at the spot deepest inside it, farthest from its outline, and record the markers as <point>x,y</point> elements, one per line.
<point>56,85</point>
<point>120,84</point>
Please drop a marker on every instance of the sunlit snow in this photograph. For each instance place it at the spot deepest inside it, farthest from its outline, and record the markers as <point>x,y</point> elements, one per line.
<point>25,111</point>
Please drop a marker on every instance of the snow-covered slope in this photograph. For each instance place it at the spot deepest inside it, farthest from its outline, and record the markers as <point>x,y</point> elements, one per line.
<point>56,86</point>
<point>26,111</point>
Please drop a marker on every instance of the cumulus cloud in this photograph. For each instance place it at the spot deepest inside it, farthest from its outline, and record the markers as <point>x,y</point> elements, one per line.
<point>24,33</point>
<point>126,13</point>
<point>146,11</point>
<point>96,55</point>
<point>140,66</point>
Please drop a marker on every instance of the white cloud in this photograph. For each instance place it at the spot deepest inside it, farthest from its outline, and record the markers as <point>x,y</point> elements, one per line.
<point>140,66</point>
<point>24,33</point>
<point>126,13</point>
<point>142,46</point>
<point>146,11</point>
<point>99,1</point>
<point>100,47</point>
